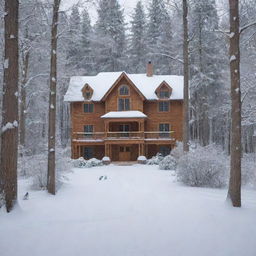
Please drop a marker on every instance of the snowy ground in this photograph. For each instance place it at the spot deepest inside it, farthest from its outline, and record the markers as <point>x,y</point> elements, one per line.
<point>137,210</point>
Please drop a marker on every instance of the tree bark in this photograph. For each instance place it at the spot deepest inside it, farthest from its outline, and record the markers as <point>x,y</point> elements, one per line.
<point>10,115</point>
<point>51,187</point>
<point>186,79</point>
<point>234,191</point>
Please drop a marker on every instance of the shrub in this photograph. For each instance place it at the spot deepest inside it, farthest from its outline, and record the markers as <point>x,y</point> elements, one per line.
<point>248,170</point>
<point>82,163</point>
<point>177,152</point>
<point>155,160</point>
<point>203,167</point>
<point>168,163</point>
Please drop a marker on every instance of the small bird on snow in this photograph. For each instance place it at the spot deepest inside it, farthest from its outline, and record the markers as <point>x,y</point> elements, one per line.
<point>25,197</point>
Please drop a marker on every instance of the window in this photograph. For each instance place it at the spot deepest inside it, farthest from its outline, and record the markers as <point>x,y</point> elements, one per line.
<point>124,129</point>
<point>88,107</point>
<point>163,94</point>
<point>164,106</point>
<point>123,104</point>
<point>88,130</point>
<point>124,90</point>
<point>164,130</point>
<point>88,153</point>
<point>164,151</point>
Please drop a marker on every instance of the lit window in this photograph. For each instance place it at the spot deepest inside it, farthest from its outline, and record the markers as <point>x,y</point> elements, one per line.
<point>124,90</point>
<point>123,104</point>
<point>164,106</point>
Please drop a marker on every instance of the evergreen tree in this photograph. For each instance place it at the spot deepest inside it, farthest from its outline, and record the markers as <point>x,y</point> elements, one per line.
<point>137,49</point>
<point>87,61</point>
<point>73,41</point>
<point>207,65</point>
<point>110,37</point>
<point>159,37</point>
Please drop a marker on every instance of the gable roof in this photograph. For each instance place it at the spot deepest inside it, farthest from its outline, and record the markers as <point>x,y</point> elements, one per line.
<point>123,75</point>
<point>102,83</point>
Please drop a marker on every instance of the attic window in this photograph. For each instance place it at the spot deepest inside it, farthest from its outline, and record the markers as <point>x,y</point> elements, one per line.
<point>124,90</point>
<point>164,93</point>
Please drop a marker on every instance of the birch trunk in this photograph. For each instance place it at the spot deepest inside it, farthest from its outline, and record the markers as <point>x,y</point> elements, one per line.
<point>10,115</point>
<point>234,191</point>
<point>51,187</point>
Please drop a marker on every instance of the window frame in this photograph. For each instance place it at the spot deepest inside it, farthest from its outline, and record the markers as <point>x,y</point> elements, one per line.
<point>126,87</point>
<point>123,108</point>
<point>89,104</point>
<point>164,125</point>
<point>163,109</point>
<point>88,134</point>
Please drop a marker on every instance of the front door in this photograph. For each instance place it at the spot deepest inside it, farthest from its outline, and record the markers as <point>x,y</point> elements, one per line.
<point>124,153</point>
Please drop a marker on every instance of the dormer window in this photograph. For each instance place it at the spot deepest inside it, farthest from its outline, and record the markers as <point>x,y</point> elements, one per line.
<point>87,92</point>
<point>124,90</point>
<point>164,94</point>
<point>163,91</point>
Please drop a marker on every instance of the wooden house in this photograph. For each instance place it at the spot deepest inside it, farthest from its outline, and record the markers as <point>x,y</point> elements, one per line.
<point>124,116</point>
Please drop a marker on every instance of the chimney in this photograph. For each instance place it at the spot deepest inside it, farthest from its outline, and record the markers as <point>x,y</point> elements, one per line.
<point>150,71</point>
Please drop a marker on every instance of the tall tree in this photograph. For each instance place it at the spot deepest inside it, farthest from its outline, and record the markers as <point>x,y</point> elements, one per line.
<point>186,78</point>
<point>159,37</point>
<point>9,132</point>
<point>137,48</point>
<point>110,37</point>
<point>52,101</point>
<point>234,190</point>
<point>86,57</point>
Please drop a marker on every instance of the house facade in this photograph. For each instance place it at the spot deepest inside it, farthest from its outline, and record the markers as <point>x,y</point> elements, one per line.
<point>123,116</point>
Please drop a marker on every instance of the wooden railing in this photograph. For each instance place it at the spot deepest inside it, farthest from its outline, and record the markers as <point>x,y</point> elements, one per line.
<point>94,136</point>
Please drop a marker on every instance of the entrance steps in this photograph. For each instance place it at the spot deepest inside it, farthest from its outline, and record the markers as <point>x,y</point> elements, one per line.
<point>124,163</point>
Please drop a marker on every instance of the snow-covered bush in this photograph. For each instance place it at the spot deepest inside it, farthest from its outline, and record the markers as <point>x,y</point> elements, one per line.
<point>142,160</point>
<point>177,152</point>
<point>82,163</point>
<point>203,167</point>
<point>35,166</point>
<point>168,163</point>
<point>155,160</point>
<point>249,170</point>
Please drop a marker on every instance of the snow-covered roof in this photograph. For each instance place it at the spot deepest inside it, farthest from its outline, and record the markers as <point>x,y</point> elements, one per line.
<point>124,114</point>
<point>102,82</point>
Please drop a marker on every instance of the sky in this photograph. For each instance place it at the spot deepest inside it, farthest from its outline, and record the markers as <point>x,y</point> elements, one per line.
<point>128,6</point>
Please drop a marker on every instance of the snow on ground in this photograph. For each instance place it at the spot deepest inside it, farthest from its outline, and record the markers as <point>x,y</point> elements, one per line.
<point>136,211</point>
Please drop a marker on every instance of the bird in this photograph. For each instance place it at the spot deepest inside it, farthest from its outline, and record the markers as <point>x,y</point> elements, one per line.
<point>25,197</point>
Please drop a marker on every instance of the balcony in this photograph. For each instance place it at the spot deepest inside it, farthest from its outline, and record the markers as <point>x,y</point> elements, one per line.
<point>126,135</point>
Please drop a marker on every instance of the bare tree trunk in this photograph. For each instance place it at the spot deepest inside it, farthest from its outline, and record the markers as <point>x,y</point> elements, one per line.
<point>52,102</point>
<point>9,132</point>
<point>186,79</point>
<point>23,100</point>
<point>234,191</point>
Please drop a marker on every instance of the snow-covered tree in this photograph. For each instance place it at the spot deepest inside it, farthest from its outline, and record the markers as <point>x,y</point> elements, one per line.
<point>109,39</point>
<point>137,48</point>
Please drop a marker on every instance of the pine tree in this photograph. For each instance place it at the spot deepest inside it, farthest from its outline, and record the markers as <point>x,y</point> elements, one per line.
<point>110,37</point>
<point>86,62</point>
<point>207,59</point>
<point>159,36</point>
<point>137,49</point>
<point>73,49</point>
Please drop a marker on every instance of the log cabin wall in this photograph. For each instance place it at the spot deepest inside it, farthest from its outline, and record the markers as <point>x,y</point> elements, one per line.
<point>173,117</point>
<point>79,118</point>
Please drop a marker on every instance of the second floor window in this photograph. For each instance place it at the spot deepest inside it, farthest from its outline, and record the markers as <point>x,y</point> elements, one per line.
<point>88,130</point>
<point>124,90</point>
<point>88,107</point>
<point>164,130</point>
<point>164,106</point>
<point>123,104</point>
